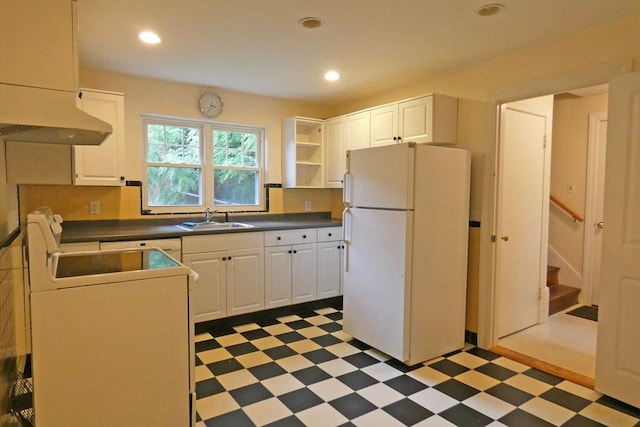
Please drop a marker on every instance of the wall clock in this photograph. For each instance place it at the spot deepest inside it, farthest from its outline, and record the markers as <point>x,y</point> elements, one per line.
<point>211,104</point>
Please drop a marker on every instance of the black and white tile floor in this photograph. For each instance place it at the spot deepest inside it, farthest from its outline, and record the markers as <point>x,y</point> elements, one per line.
<point>303,370</point>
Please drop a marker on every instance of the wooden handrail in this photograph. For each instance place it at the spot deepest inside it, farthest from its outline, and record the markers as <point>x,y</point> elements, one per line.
<point>567,209</point>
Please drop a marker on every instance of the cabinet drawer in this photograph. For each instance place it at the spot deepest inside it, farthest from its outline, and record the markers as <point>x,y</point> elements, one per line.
<point>329,234</point>
<point>221,242</point>
<point>290,237</point>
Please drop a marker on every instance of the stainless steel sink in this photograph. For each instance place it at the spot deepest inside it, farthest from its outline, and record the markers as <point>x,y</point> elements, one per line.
<point>199,226</point>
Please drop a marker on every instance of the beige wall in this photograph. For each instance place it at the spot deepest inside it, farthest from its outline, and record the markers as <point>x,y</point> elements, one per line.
<point>569,166</point>
<point>144,95</point>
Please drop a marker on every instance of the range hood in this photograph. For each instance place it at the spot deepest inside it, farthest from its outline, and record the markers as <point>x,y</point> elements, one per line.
<point>29,114</point>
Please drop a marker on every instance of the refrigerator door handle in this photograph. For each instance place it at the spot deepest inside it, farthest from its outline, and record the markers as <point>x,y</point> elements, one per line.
<point>346,235</point>
<point>346,194</point>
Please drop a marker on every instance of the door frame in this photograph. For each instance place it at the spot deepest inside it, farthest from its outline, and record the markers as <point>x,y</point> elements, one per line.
<point>487,325</point>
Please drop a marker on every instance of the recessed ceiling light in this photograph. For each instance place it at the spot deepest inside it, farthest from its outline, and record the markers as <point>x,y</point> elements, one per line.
<point>490,9</point>
<point>311,22</point>
<point>149,37</point>
<point>332,75</point>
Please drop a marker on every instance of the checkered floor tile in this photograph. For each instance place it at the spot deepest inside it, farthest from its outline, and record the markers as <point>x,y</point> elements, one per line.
<point>303,370</point>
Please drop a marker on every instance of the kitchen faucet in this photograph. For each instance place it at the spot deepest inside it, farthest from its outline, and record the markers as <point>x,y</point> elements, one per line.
<point>208,215</point>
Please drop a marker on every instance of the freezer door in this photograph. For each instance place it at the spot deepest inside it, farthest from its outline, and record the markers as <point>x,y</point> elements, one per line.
<point>381,177</point>
<point>376,282</point>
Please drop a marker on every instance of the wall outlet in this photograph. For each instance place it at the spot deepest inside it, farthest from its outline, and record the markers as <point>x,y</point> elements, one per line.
<point>307,206</point>
<point>94,207</point>
<point>571,189</point>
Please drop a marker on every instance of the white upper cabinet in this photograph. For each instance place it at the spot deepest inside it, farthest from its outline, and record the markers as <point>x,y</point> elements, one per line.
<point>335,147</point>
<point>343,133</point>
<point>384,125</point>
<point>102,164</point>
<point>302,153</point>
<point>427,119</point>
<point>37,44</point>
<point>358,130</point>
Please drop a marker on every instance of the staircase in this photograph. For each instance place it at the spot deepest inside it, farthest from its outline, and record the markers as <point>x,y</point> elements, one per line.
<point>560,296</point>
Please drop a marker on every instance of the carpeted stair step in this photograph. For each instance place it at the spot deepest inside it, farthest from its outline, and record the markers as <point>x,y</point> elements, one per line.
<point>562,297</point>
<point>552,275</point>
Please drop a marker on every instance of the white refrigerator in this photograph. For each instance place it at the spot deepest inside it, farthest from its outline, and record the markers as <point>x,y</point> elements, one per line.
<point>406,223</point>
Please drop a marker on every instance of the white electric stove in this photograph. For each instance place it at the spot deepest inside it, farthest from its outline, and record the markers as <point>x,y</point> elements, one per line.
<point>111,334</point>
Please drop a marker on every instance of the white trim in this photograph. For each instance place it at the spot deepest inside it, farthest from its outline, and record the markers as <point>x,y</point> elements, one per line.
<point>576,79</point>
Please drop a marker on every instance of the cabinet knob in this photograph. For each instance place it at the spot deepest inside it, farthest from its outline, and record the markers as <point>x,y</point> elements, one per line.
<point>278,238</point>
<point>329,234</point>
<point>122,178</point>
<point>304,236</point>
<point>224,258</point>
<point>295,252</point>
<point>229,258</point>
<point>290,252</point>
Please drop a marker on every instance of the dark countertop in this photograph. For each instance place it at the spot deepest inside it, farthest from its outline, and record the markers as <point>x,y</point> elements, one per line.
<point>163,228</point>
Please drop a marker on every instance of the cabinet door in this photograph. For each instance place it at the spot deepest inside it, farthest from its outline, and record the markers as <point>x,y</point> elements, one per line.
<point>304,276</point>
<point>415,120</point>
<point>209,299</point>
<point>335,149</point>
<point>384,125</point>
<point>329,269</point>
<point>102,164</point>
<point>277,272</point>
<point>37,44</point>
<point>245,280</point>
<point>357,130</point>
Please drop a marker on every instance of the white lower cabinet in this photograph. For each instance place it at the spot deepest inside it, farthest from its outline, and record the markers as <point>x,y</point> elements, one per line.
<point>330,262</point>
<point>290,267</point>
<point>230,269</point>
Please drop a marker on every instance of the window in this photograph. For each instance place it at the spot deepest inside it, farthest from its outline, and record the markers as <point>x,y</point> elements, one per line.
<point>193,165</point>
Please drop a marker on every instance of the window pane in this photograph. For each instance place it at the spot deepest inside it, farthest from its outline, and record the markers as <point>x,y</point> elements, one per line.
<point>173,144</point>
<point>234,148</point>
<point>235,187</point>
<point>168,186</point>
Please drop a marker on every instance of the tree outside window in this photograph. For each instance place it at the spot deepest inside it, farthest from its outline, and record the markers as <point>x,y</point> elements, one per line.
<point>191,166</point>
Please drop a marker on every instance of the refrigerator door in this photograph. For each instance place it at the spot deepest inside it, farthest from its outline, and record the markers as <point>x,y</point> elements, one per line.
<point>377,279</point>
<point>381,177</point>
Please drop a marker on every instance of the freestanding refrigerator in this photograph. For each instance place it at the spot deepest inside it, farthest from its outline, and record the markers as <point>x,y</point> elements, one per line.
<point>406,232</point>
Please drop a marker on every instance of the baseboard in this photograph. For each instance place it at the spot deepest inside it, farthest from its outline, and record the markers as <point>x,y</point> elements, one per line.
<point>257,316</point>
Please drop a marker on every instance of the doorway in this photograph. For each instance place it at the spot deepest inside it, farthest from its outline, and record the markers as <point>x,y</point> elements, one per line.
<point>562,342</point>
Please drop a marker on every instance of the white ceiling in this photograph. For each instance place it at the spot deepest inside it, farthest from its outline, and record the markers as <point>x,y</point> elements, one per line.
<point>257,46</point>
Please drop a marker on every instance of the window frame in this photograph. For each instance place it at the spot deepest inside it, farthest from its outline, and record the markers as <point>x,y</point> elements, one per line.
<point>206,164</point>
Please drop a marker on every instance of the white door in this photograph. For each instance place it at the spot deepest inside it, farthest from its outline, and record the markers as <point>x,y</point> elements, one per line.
<point>304,276</point>
<point>357,130</point>
<point>384,125</point>
<point>329,269</point>
<point>102,164</point>
<point>277,276</point>
<point>415,120</point>
<point>335,151</point>
<point>618,350</point>
<point>210,293</point>
<point>245,280</point>
<point>522,213</point>
<point>381,177</point>
<point>596,161</point>
<point>376,278</point>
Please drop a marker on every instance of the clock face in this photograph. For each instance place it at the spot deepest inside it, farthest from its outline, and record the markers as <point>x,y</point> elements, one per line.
<point>210,104</point>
